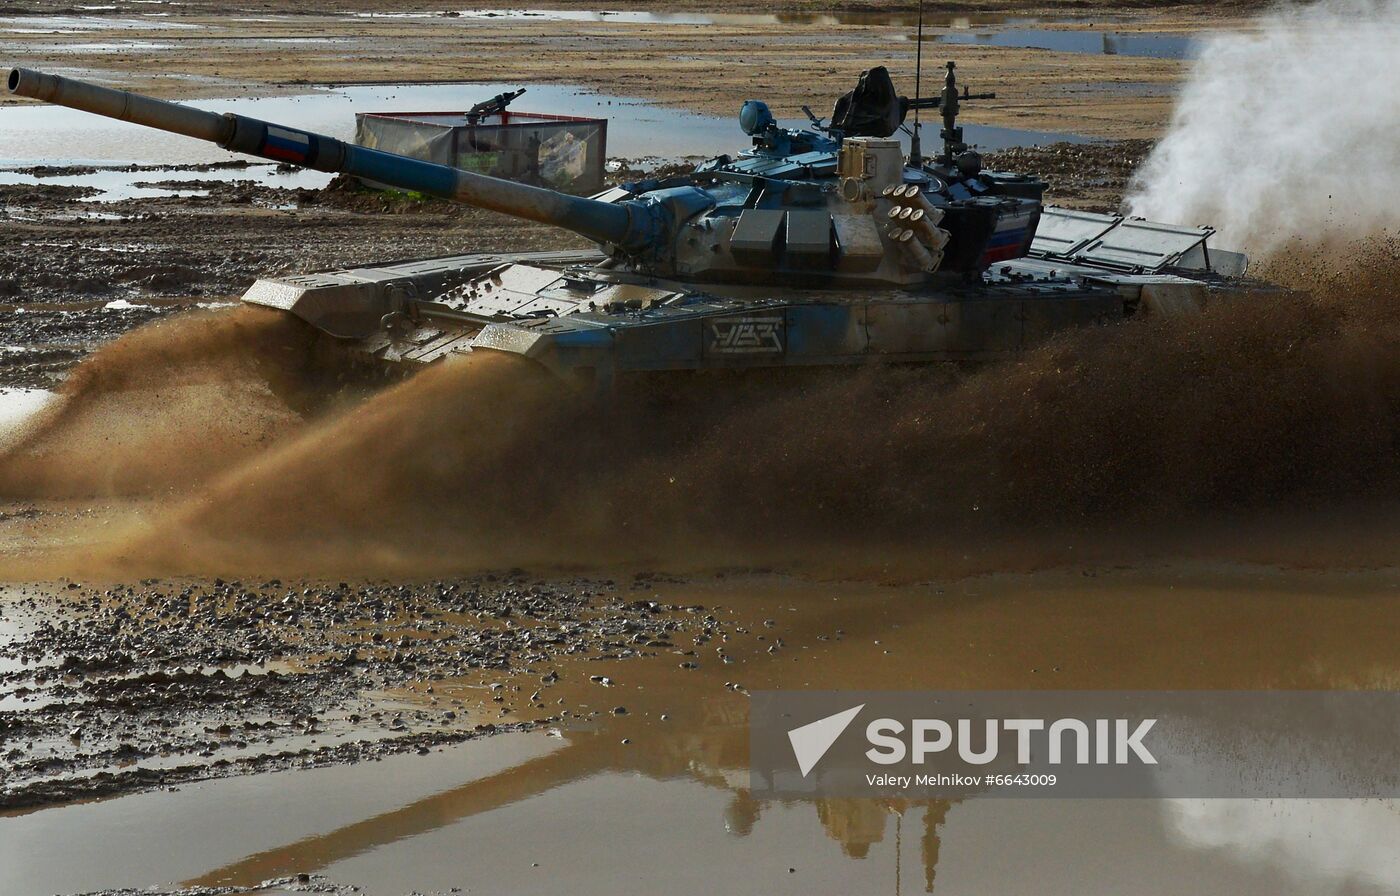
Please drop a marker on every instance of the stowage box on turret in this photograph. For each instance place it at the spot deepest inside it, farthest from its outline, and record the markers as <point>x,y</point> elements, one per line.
<point>822,246</point>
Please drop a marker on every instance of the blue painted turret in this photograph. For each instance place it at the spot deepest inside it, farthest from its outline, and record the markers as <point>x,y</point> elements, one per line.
<point>827,206</point>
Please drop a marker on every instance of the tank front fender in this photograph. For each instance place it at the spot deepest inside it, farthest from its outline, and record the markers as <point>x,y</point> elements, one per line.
<point>582,356</point>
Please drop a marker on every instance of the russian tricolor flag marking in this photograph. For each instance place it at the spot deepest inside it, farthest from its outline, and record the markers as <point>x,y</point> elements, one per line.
<point>292,146</point>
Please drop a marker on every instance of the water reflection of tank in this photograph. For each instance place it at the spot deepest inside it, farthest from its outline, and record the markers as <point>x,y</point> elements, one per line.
<point>742,813</point>
<point>714,753</point>
<point>857,824</point>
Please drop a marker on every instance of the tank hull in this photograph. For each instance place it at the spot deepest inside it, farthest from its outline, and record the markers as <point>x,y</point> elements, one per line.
<point>588,324</point>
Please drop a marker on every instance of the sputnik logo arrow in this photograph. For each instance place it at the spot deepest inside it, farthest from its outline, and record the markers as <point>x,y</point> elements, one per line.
<point>811,741</point>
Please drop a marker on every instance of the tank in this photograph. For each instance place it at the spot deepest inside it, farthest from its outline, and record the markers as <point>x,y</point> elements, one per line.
<point>820,246</point>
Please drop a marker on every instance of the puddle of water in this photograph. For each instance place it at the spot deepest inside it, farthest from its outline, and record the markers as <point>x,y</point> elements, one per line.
<point>637,17</point>
<point>80,24</point>
<point>114,185</point>
<point>636,797</point>
<point>31,135</point>
<point>508,815</point>
<point>16,407</point>
<point>987,137</point>
<point>1107,43</point>
<point>122,46</point>
<point>254,815</point>
<point>118,185</point>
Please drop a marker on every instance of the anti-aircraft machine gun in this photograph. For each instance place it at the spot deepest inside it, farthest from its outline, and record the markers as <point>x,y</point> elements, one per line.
<point>497,105</point>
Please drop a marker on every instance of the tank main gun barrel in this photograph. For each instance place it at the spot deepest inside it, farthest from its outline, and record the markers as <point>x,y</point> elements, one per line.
<point>633,226</point>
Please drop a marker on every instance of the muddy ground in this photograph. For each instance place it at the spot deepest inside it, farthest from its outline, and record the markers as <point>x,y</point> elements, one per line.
<point>153,684</point>
<point>60,269</point>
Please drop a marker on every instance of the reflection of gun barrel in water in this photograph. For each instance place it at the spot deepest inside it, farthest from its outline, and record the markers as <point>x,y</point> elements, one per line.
<point>585,756</point>
<point>620,223</point>
<point>512,785</point>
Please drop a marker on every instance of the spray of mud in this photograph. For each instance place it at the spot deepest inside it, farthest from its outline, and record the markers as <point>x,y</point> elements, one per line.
<point>1255,408</point>
<point>163,407</point>
<point>1286,132</point>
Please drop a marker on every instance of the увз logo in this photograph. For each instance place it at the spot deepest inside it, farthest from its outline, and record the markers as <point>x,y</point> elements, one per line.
<point>811,741</point>
<point>747,335</point>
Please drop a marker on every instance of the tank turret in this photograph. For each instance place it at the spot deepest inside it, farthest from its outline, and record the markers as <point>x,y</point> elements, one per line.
<point>824,207</point>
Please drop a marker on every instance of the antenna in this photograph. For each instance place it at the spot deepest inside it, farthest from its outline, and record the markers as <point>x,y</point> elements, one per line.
<point>916,155</point>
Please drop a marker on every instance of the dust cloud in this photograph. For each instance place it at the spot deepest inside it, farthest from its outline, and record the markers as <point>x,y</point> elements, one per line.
<point>163,407</point>
<point>1286,133</point>
<point>1258,408</point>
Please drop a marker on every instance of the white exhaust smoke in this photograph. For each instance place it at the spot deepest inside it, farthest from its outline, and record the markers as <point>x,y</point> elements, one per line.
<point>1287,131</point>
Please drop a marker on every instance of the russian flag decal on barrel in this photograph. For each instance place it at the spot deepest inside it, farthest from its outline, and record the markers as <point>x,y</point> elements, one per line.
<point>292,146</point>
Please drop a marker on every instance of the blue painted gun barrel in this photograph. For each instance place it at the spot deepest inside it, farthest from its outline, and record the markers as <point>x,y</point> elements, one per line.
<point>604,222</point>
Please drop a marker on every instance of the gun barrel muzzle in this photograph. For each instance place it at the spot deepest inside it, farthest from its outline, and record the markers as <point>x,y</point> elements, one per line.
<point>120,104</point>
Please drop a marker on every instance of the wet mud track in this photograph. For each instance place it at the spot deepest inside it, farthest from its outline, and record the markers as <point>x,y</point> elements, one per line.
<point>106,690</point>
